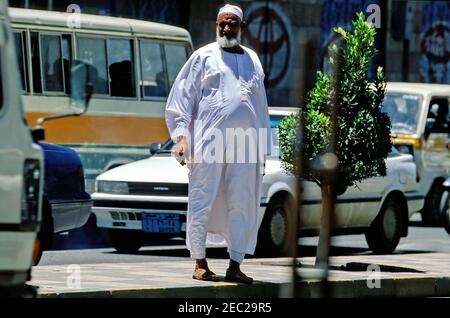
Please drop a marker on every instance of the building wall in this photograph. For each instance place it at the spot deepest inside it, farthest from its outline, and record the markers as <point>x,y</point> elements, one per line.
<point>285,41</point>
<point>291,36</point>
<point>304,28</point>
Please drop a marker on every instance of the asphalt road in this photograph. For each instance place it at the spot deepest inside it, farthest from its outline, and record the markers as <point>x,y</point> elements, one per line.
<point>420,240</point>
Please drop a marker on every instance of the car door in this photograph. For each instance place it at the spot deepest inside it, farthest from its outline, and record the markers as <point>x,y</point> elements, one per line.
<point>359,205</point>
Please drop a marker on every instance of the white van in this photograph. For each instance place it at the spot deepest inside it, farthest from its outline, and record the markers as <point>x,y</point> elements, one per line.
<point>420,116</point>
<point>21,174</point>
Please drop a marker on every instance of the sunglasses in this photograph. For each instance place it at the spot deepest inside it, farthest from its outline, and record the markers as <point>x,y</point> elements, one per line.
<point>231,25</point>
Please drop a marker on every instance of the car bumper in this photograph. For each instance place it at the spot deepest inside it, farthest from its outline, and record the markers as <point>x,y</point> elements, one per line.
<point>129,219</point>
<point>415,202</point>
<point>70,215</point>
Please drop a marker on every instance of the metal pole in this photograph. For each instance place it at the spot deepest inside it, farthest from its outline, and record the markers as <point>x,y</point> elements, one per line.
<point>50,5</point>
<point>295,208</point>
<point>329,167</point>
<point>308,53</point>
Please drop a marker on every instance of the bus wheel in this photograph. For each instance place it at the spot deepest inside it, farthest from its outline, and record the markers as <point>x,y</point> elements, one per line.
<point>125,241</point>
<point>384,233</point>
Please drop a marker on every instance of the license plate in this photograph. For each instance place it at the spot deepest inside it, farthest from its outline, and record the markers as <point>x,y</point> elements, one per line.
<point>161,223</point>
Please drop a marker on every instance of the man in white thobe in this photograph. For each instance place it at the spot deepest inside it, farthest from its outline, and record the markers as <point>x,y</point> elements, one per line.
<point>218,117</point>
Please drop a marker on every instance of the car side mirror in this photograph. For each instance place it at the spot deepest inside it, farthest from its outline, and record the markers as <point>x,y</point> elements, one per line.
<point>81,86</point>
<point>155,147</point>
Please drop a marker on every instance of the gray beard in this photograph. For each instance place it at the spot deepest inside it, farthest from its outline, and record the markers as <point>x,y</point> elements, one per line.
<point>224,42</point>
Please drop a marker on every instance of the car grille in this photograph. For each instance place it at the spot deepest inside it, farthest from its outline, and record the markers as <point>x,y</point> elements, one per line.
<point>131,216</point>
<point>158,189</point>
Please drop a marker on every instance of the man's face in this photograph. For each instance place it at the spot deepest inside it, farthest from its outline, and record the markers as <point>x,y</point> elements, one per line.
<point>228,25</point>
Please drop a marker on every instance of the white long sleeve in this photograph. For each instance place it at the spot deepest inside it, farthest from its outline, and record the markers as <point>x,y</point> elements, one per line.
<point>184,97</point>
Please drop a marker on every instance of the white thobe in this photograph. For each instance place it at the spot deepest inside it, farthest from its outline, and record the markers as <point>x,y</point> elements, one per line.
<point>215,91</point>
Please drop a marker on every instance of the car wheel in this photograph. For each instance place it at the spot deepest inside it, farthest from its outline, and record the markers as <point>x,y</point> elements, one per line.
<point>384,233</point>
<point>19,291</point>
<point>125,241</point>
<point>274,231</point>
<point>431,212</point>
<point>446,211</point>
<point>45,234</point>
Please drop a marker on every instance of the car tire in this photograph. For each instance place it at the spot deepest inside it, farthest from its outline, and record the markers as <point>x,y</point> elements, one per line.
<point>431,212</point>
<point>45,234</point>
<point>273,233</point>
<point>125,241</point>
<point>385,231</point>
<point>446,212</point>
<point>19,291</point>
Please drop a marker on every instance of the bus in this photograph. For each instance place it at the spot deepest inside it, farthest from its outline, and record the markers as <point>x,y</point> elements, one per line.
<point>136,63</point>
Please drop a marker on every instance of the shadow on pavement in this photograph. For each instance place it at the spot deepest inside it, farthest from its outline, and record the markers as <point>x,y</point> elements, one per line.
<point>221,252</point>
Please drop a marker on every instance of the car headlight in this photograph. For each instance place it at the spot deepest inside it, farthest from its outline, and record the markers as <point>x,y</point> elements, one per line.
<point>115,187</point>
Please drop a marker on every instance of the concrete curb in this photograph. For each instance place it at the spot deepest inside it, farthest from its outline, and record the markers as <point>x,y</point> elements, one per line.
<point>398,287</point>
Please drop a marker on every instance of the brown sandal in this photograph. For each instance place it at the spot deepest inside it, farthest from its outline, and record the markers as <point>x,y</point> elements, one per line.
<point>204,274</point>
<point>238,277</point>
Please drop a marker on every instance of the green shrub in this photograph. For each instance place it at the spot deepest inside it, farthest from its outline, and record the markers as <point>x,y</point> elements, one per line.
<point>363,130</point>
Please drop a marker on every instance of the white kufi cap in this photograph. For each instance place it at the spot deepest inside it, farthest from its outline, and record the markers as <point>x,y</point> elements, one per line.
<point>228,8</point>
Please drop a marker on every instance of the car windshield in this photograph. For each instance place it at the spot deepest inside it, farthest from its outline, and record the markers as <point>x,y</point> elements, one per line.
<point>404,111</point>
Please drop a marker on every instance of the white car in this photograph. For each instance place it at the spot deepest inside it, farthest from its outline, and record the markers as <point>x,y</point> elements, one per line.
<point>148,199</point>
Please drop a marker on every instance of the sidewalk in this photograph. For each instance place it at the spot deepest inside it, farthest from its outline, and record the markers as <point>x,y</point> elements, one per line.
<point>408,275</point>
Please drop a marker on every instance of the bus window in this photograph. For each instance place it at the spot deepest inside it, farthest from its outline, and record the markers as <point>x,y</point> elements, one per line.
<point>176,56</point>
<point>52,64</point>
<point>36,63</point>
<point>21,61</point>
<point>67,59</point>
<point>154,78</point>
<point>120,64</point>
<point>93,51</point>
<point>129,113</point>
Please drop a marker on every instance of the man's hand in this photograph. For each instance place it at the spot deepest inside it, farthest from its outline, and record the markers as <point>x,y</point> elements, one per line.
<point>181,148</point>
